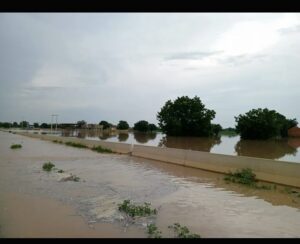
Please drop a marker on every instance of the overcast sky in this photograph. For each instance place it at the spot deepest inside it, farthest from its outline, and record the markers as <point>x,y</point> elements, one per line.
<point>125,66</point>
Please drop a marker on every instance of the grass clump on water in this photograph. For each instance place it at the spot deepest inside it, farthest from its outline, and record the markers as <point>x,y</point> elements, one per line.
<point>136,210</point>
<point>15,146</point>
<point>48,166</point>
<point>74,144</point>
<point>182,231</point>
<point>56,141</point>
<point>245,177</point>
<point>153,231</point>
<point>100,149</point>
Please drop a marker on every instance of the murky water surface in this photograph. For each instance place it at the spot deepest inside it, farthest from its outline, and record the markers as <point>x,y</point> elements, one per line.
<point>280,149</point>
<point>198,199</point>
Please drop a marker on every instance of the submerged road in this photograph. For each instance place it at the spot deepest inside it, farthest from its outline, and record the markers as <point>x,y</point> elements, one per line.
<point>34,203</point>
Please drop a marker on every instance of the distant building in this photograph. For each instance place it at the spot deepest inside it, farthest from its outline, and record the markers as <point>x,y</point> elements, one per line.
<point>294,132</point>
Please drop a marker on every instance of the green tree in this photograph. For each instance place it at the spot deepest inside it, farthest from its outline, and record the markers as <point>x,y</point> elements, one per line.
<point>123,125</point>
<point>263,124</point>
<point>45,126</point>
<point>186,117</point>
<point>142,126</point>
<point>152,127</point>
<point>81,124</point>
<point>15,124</point>
<point>36,125</point>
<point>24,124</point>
<point>5,125</point>
<point>105,124</point>
<point>216,128</point>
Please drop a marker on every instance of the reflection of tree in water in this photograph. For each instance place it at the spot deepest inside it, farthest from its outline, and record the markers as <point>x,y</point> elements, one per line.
<point>123,136</point>
<point>104,135</point>
<point>272,149</point>
<point>193,143</point>
<point>143,137</point>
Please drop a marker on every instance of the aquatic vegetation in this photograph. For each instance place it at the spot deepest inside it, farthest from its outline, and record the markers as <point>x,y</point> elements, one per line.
<point>245,177</point>
<point>136,210</point>
<point>153,231</point>
<point>48,166</point>
<point>60,171</point>
<point>74,144</point>
<point>100,149</point>
<point>16,146</point>
<point>56,141</point>
<point>182,231</point>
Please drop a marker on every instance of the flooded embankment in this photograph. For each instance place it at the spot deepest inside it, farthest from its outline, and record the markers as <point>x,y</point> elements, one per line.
<point>35,203</point>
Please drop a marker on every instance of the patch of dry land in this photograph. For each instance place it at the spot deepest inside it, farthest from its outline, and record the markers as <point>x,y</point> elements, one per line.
<point>37,203</point>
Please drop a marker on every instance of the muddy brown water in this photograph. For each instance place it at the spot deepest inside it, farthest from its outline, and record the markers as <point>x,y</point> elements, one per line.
<point>34,203</point>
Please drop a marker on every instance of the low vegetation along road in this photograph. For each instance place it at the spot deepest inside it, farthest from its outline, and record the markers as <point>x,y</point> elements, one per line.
<point>53,190</point>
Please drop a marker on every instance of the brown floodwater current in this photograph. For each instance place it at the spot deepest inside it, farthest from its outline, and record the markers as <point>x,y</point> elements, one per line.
<point>34,203</point>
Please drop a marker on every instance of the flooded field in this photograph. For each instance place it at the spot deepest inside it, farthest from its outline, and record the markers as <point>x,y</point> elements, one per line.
<point>35,203</point>
<point>282,149</point>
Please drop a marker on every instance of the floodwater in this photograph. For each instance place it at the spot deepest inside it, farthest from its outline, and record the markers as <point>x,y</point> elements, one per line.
<point>280,149</point>
<point>34,203</point>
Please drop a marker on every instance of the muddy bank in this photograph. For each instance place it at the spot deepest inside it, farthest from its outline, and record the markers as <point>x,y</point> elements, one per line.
<point>195,198</point>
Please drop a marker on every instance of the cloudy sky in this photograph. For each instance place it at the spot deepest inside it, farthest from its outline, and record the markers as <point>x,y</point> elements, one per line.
<point>125,66</point>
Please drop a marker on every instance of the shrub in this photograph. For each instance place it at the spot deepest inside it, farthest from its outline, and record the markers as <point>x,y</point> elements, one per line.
<point>153,231</point>
<point>16,146</point>
<point>48,166</point>
<point>136,210</point>
<point>100,149</point>
<point>182,231</point>
<point>74,144</point>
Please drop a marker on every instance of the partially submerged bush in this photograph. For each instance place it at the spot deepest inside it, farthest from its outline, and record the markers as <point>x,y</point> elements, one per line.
<point>136,210</point>
<point>56,141</point>
<point>74,144</point>
<point>48,166</point>
<point>100,149</point>
<point>60,171</point>
<point>245,177</point>
<point>15,146</point>
<point>182,231</point>
<point>153,231</point>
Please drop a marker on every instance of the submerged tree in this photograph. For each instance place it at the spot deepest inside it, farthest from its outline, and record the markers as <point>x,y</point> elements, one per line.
<point>142,126</point>
<point>123,125</point>
<point>186,117</point>
<point>263,124</point>
<point>105,124</point>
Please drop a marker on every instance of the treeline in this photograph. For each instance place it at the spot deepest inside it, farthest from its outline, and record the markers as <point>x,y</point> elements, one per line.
<point>188,117</point>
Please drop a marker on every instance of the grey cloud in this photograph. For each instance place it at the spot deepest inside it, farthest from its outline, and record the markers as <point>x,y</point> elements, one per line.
<point>242,59</point>
<point>191,55</point>
<point>289,30</point>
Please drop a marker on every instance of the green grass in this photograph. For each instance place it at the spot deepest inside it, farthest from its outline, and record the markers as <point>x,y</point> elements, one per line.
<point>182,231</point>
<point>136,210</point>
<point>15,146</point>
<point>48,166</point>
<point>100,149</point>
<point>245,177</point>
<point>74,144</point>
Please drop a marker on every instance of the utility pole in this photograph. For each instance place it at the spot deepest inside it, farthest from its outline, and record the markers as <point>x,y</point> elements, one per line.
<point>52,115</point>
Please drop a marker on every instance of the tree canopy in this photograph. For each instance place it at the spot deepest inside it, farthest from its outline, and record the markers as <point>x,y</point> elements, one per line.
<point>81,124</point>
<point>123,125</point>
<point>141,125</point>
<point>263,124</point>
<point>186,117</point>
<point>105,124</point>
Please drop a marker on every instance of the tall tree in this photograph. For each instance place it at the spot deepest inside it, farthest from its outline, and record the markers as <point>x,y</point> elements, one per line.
<point>186,117</point>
